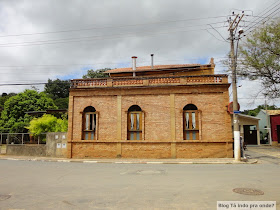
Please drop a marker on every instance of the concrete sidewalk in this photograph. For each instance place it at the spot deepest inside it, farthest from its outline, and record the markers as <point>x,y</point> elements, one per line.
<point>273,151</point>
<point>133,161</point>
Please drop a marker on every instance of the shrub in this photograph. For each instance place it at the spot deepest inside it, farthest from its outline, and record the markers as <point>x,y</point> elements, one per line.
<point>47,123</point>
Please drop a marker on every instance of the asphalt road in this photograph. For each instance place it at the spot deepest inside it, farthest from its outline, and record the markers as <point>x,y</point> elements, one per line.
<point>58,185</point>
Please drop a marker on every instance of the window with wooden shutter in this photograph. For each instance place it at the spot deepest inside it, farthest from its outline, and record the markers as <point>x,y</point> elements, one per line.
<point>134,123</point>
<point>190,122</point>
<point>89,123</point>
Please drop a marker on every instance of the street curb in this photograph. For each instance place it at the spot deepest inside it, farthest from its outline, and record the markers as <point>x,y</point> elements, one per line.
<point>252,161</point>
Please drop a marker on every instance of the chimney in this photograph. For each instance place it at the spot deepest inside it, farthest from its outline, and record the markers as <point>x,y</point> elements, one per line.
<point>134,65</point>
<point>152,61</point>
<point>212,61</point>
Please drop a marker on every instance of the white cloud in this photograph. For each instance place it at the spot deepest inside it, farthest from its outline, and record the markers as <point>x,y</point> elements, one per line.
<point>120,29</point>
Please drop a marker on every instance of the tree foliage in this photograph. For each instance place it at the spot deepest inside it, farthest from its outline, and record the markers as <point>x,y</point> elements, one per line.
<point>57,88</point>
<point>254,112</point>
<point>99,73</point>
<point>62,103</point>
<point>260,58</point>
<point>47,123</point>
<point>14,117</point>
<point>4,97</point>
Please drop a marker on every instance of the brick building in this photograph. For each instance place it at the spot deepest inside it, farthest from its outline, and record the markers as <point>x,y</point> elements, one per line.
<point>165,111</point>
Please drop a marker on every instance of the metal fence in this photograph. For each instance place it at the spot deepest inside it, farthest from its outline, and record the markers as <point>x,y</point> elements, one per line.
<point>22,138</point>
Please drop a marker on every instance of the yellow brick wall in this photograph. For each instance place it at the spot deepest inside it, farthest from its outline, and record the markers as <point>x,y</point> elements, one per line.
<point>89,150</point>
<point>156,115</point>
<point>155,102</point>
<point>106,107</point>
<point>152,150</point>
<point>213,111</point>
<point>148,150</point>
<point>202,150</point>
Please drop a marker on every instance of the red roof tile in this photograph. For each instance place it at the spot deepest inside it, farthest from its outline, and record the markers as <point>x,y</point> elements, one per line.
<point>156,67</point>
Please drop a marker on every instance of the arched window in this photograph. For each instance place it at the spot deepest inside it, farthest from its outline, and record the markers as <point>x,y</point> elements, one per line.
<point>190,122</point>
<point>134,123</point>
<point>89,123</point>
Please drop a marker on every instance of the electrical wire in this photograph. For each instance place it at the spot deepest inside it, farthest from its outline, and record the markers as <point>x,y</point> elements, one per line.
<point>262,20</point>
<point>263,17</point>
<point>93,38</point>
<point>218,33</point>
<point>254,25</point>
<point>121,26</point>
<point>92,64</point>
<point>25,84</point>
<point>261,13</point>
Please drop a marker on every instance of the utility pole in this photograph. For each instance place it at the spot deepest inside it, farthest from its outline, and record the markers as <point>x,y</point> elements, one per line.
<point>236,131</point>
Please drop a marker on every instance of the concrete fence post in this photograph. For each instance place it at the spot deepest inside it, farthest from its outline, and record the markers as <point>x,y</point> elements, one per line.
<point>22,136</point>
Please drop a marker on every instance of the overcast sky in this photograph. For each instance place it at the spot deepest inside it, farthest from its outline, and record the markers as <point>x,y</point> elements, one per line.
<point>41,39</point>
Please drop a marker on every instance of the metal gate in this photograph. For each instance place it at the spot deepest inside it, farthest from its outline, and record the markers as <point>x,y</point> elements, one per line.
<point>22,138</point>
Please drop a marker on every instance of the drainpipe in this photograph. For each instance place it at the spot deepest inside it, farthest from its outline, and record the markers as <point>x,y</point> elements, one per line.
<point>134,65</point>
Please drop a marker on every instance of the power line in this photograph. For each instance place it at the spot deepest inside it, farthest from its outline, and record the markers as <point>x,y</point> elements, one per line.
<point>264,18</point>
<point>92,64</point>
<point>260,17</point>
<point>214,36</point>
<point>261,13</point>
<point>106,27</point>
<point>217,32</point>
<point>93,38</point>
<point>27,84</point>
<point>254,25</point>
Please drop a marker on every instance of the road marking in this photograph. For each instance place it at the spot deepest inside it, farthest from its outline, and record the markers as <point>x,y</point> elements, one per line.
<point>126,162</point>
<point>32,159</point>
<point>89,161</point>
<point>186,162</point>
<point>154,162</point>
<point>65,161</point>
<point>11,159</point>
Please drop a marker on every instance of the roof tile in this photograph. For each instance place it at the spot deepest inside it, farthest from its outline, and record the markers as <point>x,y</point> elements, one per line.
<point>148,68</point>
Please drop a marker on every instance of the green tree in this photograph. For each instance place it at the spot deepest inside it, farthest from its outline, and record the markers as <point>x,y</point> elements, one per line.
<point>57,88</point>
<point>254,112</point>
<point>99,73</point>
<point>4,97</point>
<point>14,117</point>
<point>62,103</point>
<point>260,58</point>
<point>47,123</point>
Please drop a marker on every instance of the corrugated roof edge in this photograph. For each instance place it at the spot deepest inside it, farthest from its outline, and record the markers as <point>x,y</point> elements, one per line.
<point>249,116</point>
